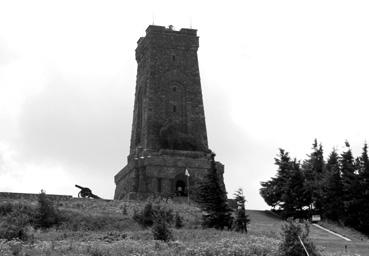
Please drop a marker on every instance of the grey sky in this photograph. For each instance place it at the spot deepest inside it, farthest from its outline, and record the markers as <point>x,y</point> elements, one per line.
<point>274,74</point>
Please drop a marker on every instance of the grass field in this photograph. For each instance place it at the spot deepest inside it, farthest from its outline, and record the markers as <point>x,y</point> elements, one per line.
<point>327,243</point>
<point>106,228</point>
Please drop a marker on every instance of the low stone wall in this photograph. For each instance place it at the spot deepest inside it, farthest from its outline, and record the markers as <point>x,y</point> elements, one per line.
<point>27,196</point>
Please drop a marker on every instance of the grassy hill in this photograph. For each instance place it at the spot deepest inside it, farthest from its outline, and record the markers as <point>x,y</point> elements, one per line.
<point>98,227</point>
<point>328,244</point>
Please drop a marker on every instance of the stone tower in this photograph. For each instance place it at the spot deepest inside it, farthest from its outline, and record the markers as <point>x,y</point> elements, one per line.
<point>168,130</point>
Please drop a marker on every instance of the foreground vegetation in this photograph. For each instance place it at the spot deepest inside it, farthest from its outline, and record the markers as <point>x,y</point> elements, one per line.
<point>97,227</point>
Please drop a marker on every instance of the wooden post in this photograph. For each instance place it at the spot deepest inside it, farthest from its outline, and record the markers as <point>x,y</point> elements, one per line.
<point>188,189</point>
<point>303,246</point>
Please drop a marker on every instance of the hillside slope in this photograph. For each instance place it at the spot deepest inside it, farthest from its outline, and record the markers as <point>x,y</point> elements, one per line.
<point>99,227</point>
<point>265,221</point>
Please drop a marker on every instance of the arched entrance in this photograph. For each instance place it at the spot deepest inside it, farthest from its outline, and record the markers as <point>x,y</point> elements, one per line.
<point>180,188</point>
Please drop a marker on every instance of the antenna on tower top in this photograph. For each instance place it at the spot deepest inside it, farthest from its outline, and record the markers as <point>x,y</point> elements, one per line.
<point>190,22</point>
<point>153,21</point>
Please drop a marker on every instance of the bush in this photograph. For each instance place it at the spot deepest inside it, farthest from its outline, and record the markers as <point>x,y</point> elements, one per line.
<point>14,227</point>
<point>7,209</point>
<point>145,217</point>
<point>160,229</point>
<point>291,245</point>
<point>124,210</point>
<point>242,219</point>
<point>178,221</point>
<point>148,214</point>
<point>15,218</point>
<point>47,214</point>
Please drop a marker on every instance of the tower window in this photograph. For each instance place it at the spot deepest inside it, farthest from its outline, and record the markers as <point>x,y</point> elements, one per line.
<point>174,88</point>
<point>173,58</point>
<point>174,108</point>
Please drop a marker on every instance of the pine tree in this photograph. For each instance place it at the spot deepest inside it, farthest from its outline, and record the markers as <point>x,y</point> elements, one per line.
<point>242,219</point>
<point>273,189</point>
<point>314,168</point>
<point>286,190</point>
<point>351,186</point>
<point>213,200</point>
<point>363,201</point>
<point>271,192</point>
<point>333,189</point>
<point>47,215</point>
<point>294,196</point>
<point>364,168</point>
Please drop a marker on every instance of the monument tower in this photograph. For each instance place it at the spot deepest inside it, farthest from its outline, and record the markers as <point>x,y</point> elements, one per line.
<point>168,130</point>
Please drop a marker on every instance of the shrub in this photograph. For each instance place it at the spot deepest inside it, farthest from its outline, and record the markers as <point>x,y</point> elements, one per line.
<point>291,245</point>
<point>146,216</point>
<point>242,219</point>
<point>160,229</point>
<point>14,227</point>
<point>178,221</point>
<point>15,218</point>
<point>47,214</point>
<point>124,210</point>
<point>7,209</point>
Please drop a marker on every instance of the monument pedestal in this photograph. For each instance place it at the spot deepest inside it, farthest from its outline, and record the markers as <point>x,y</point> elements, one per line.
<point>162,173</point>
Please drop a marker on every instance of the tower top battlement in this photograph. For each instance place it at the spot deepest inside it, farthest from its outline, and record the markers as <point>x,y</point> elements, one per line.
<point>169,29</point>
<point>162,37</point>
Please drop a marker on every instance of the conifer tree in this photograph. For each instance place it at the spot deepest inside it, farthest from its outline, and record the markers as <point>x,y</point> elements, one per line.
<point>351,186</point>
<point>273,190</point>
<point>294,195</point>
<point>364,167</point>
<point>242,219</point>
<point>363,213</point>
<point>286,190</point>
<point>314,168</point>
<point>213,199</point>
<point>47,215</point>
<point>333,189</point>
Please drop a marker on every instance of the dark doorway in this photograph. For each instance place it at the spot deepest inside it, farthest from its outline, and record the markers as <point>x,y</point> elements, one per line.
<point>180,188</point>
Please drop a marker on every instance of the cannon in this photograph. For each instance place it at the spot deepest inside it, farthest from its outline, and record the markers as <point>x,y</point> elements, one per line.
<point>86,193</point>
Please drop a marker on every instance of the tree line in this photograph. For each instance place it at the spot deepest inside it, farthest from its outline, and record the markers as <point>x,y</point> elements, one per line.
<point>336,188</point>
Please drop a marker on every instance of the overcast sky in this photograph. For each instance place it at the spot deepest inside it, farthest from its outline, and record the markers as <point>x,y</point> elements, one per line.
<point>274,74</point>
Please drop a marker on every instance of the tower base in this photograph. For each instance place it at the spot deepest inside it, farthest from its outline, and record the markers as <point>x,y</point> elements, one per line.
<point>163,174</point>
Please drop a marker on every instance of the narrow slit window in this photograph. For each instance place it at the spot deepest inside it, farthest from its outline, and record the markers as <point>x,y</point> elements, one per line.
<point>173,57</point>
<point>174,89</point>
<point>174,108</point>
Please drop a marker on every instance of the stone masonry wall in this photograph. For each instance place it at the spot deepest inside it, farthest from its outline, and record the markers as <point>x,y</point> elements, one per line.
<point>168,90</point>
<point>168,87</point>
<point>28,196</point>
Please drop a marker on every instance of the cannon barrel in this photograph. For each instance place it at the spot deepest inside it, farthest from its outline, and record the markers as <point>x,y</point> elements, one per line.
<point>79,187</point>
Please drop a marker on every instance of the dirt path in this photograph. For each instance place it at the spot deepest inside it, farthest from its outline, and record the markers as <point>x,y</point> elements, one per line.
<point>333,233</point>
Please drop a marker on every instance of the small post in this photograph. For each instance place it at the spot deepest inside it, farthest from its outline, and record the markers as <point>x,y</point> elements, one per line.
<point>188,186</point>
<point>303,246</point>
<point>188,190</point>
